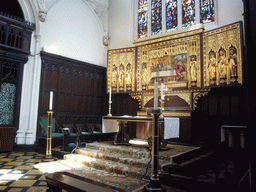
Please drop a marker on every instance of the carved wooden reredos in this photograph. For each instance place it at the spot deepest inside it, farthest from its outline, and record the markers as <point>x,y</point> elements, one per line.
<point>189,63</point>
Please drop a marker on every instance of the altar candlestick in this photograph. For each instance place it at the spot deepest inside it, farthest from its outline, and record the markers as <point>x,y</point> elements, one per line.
<point>110,94</point>
<point>162,91</point>
<point>51,100</point>
<point>156,96</point>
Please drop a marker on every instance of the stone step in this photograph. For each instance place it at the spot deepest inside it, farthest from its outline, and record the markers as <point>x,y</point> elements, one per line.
<point>114,156</point>
<point>131,151</point>
<point>109,165</point>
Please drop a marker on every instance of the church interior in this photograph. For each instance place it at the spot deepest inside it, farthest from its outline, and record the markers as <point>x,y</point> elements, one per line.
<point>117,95</point>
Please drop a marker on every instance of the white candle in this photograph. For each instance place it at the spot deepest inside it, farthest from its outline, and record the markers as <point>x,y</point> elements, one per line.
<point>110,94</point>
<point>156,96</point>
<point>51,100</point>
<point>162,91</point>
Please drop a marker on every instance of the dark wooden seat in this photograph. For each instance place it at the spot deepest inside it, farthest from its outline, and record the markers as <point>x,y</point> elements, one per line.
<point>193,164</point>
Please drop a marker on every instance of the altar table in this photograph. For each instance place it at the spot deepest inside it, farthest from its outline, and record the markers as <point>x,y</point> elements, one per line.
<point>119,124</point>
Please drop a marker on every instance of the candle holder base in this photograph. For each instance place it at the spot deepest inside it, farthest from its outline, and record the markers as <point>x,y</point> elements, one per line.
<point>156,187</point>
<point>47,158</point>
<point>109,115</point>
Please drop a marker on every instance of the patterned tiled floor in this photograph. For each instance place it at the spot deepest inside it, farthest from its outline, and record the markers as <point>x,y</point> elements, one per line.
<point>17,173</point>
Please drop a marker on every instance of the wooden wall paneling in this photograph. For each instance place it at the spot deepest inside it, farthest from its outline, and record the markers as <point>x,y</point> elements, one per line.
<point>78,81</point>
<point>50,77</point>
<point>65,80</point>
<point>79,88</point>
<point>224,105</point>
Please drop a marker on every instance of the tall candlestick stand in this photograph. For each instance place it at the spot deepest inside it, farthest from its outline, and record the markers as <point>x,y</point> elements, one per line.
<point>162,107</point>
<point>154,184</point>
<point>109,108</point>
<point>48,156</point>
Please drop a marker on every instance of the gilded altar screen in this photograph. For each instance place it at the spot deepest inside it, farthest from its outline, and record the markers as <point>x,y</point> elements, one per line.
<point>175,63</point>
<point>192,61</point>
<point>121,70</point>
<point>223,56</point>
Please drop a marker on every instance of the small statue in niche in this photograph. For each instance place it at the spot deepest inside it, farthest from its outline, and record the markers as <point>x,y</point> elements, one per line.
<point>121,77</point>
<point>114,78</point>
<point>212,68</point>
<point>222,66</point>
<point>193,70</point>
<point>128,77</point>
<point>144,76</point>
<point>232,61</point>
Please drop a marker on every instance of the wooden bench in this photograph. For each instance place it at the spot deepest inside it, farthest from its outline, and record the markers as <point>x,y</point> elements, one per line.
<point>63,180</point>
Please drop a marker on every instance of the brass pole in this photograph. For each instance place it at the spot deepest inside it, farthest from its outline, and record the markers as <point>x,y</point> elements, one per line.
<point>48,156</point>
<point>154,184</point>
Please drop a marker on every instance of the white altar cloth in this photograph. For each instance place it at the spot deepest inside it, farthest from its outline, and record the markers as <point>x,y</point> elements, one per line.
<point>109,126</point>
<point>171,127</point>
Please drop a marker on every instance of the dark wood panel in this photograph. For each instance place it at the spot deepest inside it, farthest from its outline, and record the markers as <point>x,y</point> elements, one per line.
<point>79,88</point>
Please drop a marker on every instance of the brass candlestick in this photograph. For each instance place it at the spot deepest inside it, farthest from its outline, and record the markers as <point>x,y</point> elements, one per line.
<point>154,184</point>
<point>48,156</point>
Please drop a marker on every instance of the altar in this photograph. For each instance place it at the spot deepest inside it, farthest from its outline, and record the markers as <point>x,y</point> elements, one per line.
<point>169,127</point>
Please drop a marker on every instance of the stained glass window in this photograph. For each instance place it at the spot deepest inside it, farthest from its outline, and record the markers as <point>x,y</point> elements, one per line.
<point>156,16</point>
<point>207,11</point>
<point>142,18</point>
<point>7,103</point>
<point>171,15</point>
<point>188,13</point>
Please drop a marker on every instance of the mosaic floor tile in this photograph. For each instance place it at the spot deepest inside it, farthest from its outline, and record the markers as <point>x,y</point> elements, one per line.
<point>8,167</point>
<point>42,178</point>
<point>37,189</point>
<point>23,183</point>
<point>24,167</point>
<point>42,183</point>
<point>15,190</point>
<point>6,159</point>
<point>34,172</point>
<point>5,171</point>
<point>29,177</point>
<point>14,163</point>
<point>17,173</point>
<point>10,177</point>
<point>4,182</point>
<point>34,160</point>
<point>25,157</point>
<point>2,188</point>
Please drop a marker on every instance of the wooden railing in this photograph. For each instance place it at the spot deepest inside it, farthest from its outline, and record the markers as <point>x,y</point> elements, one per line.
<point>15,33</point>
